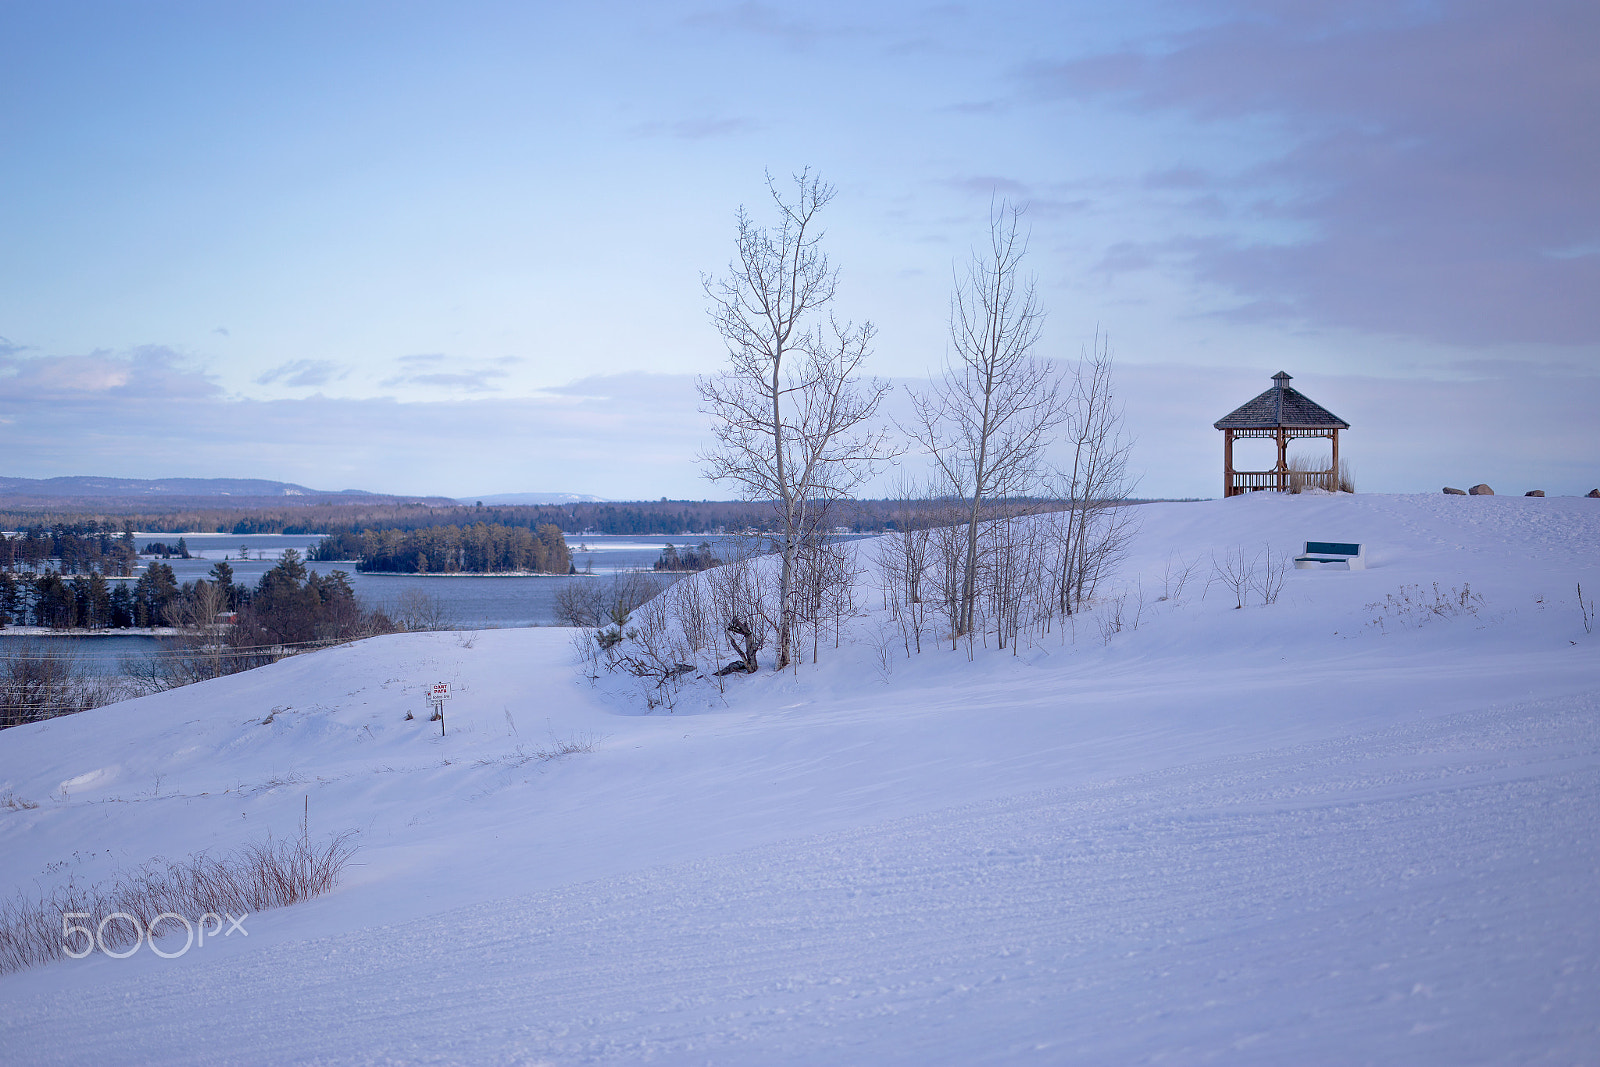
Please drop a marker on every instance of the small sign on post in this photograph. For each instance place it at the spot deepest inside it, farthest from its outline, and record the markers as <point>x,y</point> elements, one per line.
<point>437,695</point>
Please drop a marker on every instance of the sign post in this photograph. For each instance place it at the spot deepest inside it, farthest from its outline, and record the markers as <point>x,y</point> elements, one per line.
<point>437,695</point>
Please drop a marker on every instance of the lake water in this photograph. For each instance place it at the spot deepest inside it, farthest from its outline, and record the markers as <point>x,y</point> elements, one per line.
<point>469,602</point>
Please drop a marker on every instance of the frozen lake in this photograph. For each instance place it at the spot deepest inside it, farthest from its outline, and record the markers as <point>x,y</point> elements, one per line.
<point>470,601</point>
<point>475,602</point>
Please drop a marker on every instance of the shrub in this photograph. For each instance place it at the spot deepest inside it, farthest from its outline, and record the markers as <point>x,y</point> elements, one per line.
<point>43,679</point>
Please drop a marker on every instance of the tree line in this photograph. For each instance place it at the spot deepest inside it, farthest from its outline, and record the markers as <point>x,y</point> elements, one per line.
<point>76,547</point>
<point>224,627</point>
<point>288,604</point>
<point>665,517</point>
<point>481,548</point>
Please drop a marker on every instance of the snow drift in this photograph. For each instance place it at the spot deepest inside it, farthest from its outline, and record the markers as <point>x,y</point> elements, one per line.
<point>1348,826</point>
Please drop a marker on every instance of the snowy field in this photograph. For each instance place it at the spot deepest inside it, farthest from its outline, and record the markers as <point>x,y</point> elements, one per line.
<point>1286,834</point>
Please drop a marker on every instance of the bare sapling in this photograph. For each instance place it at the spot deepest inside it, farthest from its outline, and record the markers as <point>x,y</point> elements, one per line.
<point>1094,481</point>
<point>1175,576</point>
<point>586,649</point>
<point>655,652</point>
<point>691,602</point>
<point>914,517</point>
<point>988,420</point>
<point>1268,574</point>
<point>601,603</point>
<point>415,610</point>
<point>792,418</point>
<point>743,607</point>
<point>949,561</point>
<point>1233,572</point>
<point>1110,617</point>
<point>825,579</point>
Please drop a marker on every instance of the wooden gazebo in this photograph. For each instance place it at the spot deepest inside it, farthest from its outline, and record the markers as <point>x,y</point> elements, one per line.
<point>1283,414</point>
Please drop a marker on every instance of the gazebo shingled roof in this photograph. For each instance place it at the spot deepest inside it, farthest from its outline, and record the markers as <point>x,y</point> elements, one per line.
<point>1281,406</point>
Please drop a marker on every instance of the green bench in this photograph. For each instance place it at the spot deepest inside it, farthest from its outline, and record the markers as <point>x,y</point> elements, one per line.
<point>1332,555</point>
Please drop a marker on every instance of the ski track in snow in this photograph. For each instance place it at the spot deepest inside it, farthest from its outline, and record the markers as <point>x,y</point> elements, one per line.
<point>1309,905</point>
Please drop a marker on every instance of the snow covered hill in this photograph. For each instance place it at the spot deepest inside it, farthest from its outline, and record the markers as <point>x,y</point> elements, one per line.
<point>1327,830</point>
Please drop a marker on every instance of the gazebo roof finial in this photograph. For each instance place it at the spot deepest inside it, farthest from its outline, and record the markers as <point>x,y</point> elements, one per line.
<point>1282,405</point>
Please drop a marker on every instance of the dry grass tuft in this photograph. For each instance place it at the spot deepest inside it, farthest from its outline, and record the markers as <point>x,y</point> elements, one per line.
<point>1413,605</point>
<point>272,874</point>
<point>1306,472</point>
<point>11,802</point>
<point>545,753</point>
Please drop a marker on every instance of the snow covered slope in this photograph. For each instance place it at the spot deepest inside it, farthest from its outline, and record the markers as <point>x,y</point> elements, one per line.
<point>1312,832</point>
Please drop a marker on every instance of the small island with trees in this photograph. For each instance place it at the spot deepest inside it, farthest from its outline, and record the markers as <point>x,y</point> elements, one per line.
<point>481,548</point>
<point>699,558</point>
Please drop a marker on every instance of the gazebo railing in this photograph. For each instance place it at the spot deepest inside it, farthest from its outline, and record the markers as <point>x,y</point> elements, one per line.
<point>1245,481</point>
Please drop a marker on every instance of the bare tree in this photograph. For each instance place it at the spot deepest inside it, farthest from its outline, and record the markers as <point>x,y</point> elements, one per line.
<point>988,421</point>
<point>790,414</point>
<point>598,603</point>
<point>1094,482</point>
<point>905,560</point>
<point>200,651</point>
<point>39,682</point>
<point>739,593</point>
<point>415,610</point>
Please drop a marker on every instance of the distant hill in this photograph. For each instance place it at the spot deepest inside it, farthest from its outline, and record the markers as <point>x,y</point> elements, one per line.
<point>84,486</point>
<point>535,498</point>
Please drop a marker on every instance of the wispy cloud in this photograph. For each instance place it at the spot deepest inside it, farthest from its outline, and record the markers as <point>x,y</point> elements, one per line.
<point>146,371</point>
<point>698,129</point>
<point>1431,152</point>
<point>434,370</point>
<point>304,373</point>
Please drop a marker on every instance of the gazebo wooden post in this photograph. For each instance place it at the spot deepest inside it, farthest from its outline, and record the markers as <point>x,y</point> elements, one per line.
<point>1335,478</point>
<point>1227,463</point>
<point>1283,461</point>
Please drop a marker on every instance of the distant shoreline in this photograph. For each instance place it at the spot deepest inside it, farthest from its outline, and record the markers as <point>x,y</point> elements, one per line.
<point>464,574</point>
<point>126,631</point>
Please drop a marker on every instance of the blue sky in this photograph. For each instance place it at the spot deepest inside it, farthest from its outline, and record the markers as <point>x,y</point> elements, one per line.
<point>457,248</point>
